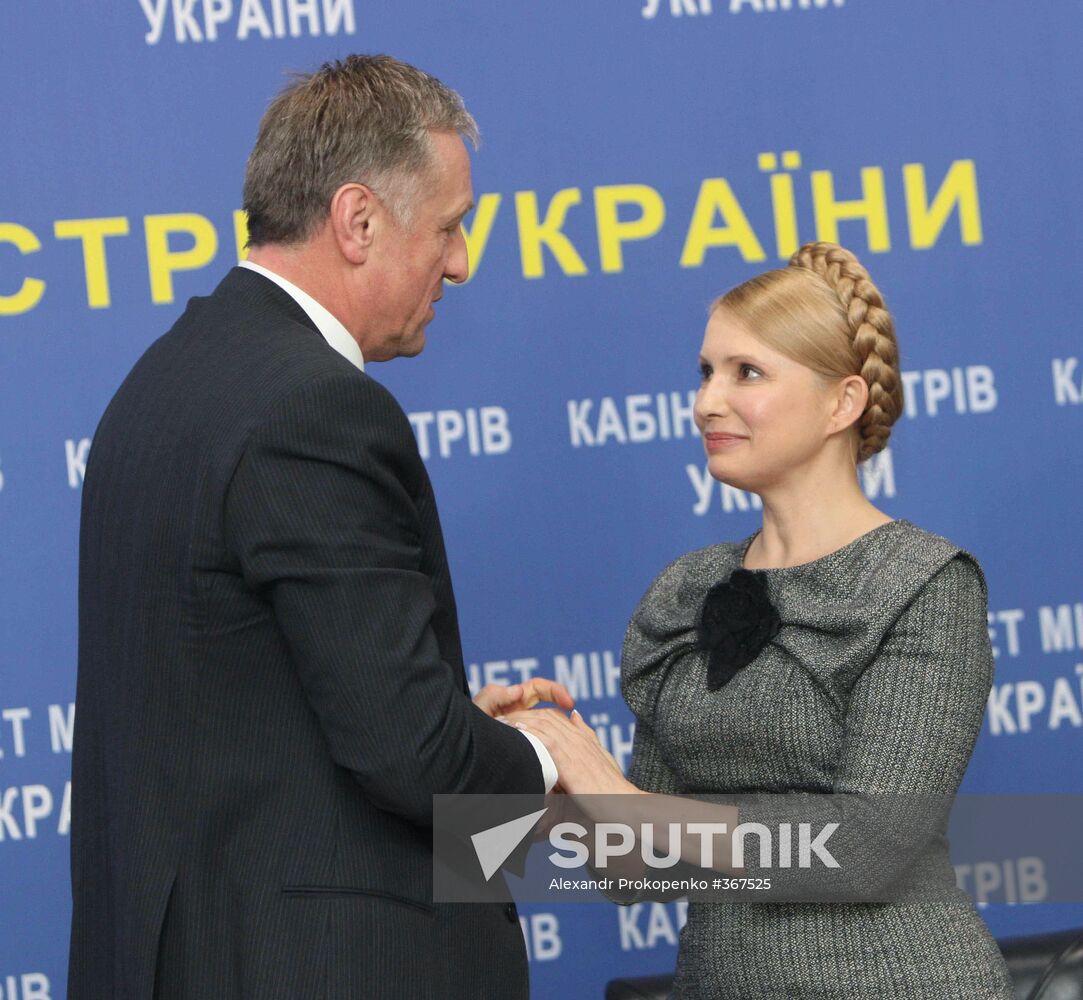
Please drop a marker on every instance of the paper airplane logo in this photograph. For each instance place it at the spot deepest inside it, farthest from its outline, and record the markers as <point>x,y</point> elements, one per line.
<point>495,845</point>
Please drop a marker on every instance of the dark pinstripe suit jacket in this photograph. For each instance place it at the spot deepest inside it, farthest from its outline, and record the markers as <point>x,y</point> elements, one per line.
<point>271,685</point>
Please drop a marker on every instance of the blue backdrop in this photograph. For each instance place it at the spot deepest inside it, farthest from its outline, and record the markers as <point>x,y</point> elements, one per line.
<point>639,158</point>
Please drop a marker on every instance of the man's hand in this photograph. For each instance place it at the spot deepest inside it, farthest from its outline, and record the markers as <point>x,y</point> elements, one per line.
<point>496,699</point>
<point>584,765</point>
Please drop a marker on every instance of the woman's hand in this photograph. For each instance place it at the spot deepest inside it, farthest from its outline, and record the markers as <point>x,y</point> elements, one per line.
<point>497,700</point>
<point>584,765</point>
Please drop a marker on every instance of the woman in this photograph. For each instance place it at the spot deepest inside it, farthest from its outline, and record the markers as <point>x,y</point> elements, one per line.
<point>835,650</point>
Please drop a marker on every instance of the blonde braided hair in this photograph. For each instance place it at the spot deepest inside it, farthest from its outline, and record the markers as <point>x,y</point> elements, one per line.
<point>873,332</point>
<point>824,312</point>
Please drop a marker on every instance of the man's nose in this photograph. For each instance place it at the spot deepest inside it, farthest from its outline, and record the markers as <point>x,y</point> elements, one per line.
<point>457,269</point>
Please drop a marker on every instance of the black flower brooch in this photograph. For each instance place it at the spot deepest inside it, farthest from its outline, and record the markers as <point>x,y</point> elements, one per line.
<point>737,621</point>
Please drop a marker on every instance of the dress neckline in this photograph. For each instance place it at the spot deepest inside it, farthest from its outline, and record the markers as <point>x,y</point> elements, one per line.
<point>822,560</point>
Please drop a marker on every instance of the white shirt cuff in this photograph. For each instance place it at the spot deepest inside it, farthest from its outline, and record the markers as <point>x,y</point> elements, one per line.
<point>549,769</point>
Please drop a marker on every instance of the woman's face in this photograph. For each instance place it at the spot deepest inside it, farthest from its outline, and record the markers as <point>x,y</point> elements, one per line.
<point>763,416</point>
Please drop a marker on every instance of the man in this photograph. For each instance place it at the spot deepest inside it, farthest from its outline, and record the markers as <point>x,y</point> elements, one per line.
<point>271,685</point>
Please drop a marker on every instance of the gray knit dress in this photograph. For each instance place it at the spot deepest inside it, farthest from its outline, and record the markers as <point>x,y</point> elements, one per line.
<point>875,683</point>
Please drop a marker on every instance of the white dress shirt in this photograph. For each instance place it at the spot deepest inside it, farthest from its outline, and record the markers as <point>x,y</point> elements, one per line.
<point>338,337</point>
<point>332,330</point>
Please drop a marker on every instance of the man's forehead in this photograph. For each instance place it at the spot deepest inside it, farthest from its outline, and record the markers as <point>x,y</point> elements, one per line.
<point>449,152</point>
<point>453,189</point>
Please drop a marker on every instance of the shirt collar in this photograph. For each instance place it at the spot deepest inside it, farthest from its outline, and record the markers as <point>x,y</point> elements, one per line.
<point>336,335</point>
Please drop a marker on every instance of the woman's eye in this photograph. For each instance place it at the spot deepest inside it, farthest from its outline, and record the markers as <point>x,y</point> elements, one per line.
<point>704,372</point>
<point>746,370</point>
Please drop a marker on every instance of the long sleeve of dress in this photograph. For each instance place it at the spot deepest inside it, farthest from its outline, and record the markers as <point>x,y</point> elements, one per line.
<point>910,727</point>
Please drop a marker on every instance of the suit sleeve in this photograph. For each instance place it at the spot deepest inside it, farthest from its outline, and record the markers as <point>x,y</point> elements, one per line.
<point>321,516</point>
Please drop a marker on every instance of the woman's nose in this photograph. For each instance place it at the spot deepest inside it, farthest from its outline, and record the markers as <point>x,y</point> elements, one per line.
<point>711,400</point>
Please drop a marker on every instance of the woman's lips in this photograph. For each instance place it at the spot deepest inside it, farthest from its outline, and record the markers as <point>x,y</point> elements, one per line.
<point>720,442</point>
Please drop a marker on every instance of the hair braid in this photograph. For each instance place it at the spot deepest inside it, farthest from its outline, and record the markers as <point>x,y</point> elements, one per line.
<point>873,337</point>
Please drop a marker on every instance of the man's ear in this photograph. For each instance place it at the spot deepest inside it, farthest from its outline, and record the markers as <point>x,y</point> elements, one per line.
<point>353,222</point>
<point>851,397</point>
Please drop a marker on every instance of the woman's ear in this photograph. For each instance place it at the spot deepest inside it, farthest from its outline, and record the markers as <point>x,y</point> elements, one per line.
<point>850,399</point>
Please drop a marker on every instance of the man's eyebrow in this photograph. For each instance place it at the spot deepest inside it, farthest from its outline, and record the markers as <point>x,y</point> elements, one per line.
<point>464,213</point>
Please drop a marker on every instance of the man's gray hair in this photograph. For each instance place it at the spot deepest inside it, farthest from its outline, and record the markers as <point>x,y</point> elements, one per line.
<point>363,119</point>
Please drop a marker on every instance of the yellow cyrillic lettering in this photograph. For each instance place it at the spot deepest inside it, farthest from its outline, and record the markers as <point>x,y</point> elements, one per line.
<point>533,234</point>
<point>872,207</point>
<point>612,233</point>
<point>716,196</point>
<point>163,262</point>
<point>959,187</point>
<point>32,289</point>
<point>93,233</point>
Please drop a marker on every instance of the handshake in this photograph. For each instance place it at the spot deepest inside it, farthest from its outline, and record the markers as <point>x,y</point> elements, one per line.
<point>584,766</point>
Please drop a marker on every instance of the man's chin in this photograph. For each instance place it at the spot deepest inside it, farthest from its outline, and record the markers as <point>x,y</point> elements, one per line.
<point>405,345</point>
<point>414,346</point>
<point>410,347</point>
